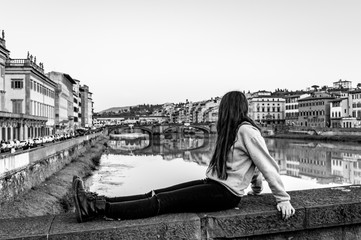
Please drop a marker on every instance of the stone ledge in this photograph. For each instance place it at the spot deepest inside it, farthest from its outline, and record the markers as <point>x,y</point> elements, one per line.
<point>319,212</point>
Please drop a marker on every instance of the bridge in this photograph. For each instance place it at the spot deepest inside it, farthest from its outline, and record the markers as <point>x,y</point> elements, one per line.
<point>163,128</point>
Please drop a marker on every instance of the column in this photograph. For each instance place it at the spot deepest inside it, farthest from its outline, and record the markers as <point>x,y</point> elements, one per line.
<point>11,137</point>
<point>32,131</point>
<point>21,132</point>
<point>25,132</point>
<point>6,133</point>
<point>15,132</point>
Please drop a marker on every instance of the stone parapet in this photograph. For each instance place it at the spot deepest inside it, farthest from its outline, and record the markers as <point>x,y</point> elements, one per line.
<point>323,214</point>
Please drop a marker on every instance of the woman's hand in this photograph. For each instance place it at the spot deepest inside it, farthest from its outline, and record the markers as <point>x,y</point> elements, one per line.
<point>286,209</point>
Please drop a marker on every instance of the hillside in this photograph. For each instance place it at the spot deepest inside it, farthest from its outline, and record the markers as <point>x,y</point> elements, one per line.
<point>144,109</point>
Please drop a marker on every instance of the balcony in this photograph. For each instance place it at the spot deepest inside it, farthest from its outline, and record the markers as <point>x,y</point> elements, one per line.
<point>23,63</point>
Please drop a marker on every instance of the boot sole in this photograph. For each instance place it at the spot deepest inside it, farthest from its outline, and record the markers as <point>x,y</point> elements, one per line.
<point>76,200</point>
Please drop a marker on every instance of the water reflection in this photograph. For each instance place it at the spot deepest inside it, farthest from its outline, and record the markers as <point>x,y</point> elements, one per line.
<point>327,163</point>
<point>303,164</point>
<point>129,141</point>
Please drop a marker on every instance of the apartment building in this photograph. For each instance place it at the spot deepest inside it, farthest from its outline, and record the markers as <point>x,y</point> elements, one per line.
<point>267,108</point>
<point>340,116</point>
<point>86,106</point>
<point>355,104</point>
<point>314,111</point>
<point>77,104</point>
<point>30,93</point>
<point>291,108</point>
<point>210,112</point>
<point>64,107</point>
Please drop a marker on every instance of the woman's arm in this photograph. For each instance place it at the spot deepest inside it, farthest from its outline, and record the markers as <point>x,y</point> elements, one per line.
<point>256,183</point>
<point>258,152</point>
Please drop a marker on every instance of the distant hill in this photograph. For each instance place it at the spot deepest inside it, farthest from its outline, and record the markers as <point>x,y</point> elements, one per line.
<point>115,109</point>
<point>144,109</point>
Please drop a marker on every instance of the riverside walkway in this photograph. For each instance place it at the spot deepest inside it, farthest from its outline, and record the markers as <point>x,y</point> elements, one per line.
<point>323,214</point>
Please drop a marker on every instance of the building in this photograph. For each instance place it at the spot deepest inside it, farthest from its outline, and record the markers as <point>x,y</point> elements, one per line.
<point>211,114</point>
<point>340,115</point>
<point>355,106</point>
<point>291,108</point>
<point>77,104</point>
<point>64,107</point>
<point>86,107</point>
<point>342,84</point>
<point>266,108</point>
<point>314,111</point>
<point>31,95</point>
<point>4,55</point>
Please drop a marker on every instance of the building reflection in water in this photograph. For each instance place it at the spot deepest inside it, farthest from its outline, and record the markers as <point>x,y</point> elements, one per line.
<point>326,162</point>
<point>129,141</point>
<point>303,164</point>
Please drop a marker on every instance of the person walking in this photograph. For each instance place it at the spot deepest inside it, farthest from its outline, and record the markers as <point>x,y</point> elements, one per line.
<point>240,158</point>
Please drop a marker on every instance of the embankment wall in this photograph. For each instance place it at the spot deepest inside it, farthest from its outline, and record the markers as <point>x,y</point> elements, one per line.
<point>32,167</point>
<point>322,214</point>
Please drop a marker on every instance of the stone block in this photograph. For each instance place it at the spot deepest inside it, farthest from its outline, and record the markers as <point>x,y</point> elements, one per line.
<point>25,228</point>
<point>255,215</point>
<point>331,206</point>
<point>174,226</point>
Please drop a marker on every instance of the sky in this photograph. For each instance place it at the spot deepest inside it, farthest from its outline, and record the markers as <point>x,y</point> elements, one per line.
<point>132,52</point>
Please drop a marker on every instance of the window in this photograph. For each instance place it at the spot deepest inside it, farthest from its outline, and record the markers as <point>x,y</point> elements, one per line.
<point>17,105</point>
<point>16,83</point>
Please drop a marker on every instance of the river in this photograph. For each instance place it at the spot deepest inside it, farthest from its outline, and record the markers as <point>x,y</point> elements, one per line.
<point>136,164</point>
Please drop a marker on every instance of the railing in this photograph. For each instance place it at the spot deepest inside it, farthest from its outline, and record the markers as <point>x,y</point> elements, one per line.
<point>23,62</point>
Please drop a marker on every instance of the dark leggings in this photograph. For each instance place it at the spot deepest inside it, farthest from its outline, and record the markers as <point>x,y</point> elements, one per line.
<point>194,196</point>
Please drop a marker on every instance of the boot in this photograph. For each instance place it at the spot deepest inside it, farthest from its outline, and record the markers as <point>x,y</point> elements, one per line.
<point>88,205</point>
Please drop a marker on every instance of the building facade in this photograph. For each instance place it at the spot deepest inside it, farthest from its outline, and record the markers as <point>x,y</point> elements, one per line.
<point>266,108</point>
<point>314,111</point>
<point>291,108</point>
<point>77,104</point>
<point>31,95</point>
<point>342,84</point>
<point>64,107</point>
<point>86,107</point>
<point>340,115</point>
<point>355,100</point>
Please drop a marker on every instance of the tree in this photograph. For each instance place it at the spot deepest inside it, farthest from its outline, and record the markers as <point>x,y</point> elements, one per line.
<point>315,87</point>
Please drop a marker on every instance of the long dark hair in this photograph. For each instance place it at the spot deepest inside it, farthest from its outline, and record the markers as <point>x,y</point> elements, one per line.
<point>232,112</point>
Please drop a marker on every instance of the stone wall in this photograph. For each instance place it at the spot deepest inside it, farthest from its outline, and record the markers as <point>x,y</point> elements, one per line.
<point>32,167</point>
<point>322,214</point>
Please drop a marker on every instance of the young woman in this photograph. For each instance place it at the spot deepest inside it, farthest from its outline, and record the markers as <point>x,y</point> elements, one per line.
<point>239,158</point>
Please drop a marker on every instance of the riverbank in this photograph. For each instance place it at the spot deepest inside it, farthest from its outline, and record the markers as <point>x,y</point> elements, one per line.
<point>54,194</point>
<point>338,138</point>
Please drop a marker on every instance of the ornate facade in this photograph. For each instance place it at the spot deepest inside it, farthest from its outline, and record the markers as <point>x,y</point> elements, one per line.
<point>26,96</point>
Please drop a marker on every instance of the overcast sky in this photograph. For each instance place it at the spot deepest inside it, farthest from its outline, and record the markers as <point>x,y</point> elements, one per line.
<point>134,52</point>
